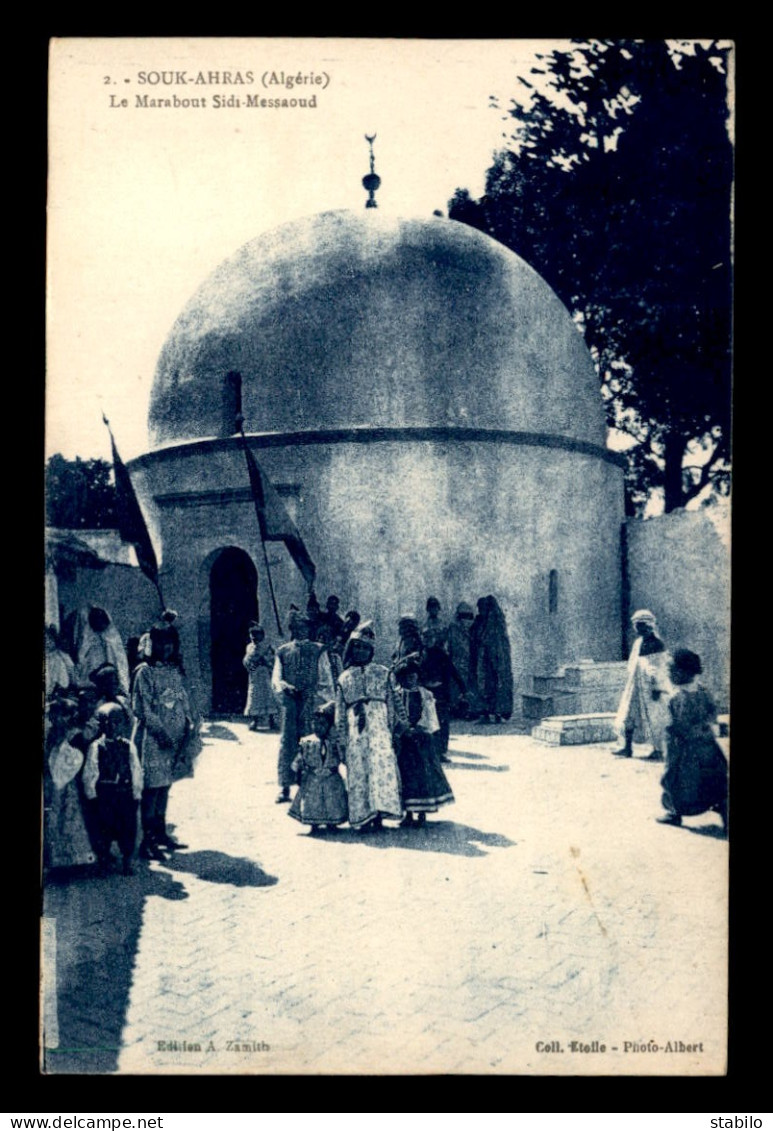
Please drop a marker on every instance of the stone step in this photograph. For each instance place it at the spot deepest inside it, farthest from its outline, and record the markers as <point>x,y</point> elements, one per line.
<point>538,706</point>
<point>576,730</point>
<point>611,675</point>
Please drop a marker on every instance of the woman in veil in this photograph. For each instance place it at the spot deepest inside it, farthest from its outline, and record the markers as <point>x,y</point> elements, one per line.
<point>490,661</point>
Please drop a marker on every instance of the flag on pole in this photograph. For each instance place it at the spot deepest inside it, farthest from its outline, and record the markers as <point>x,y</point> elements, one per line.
<point>131,521</point>
<point>274,521</point>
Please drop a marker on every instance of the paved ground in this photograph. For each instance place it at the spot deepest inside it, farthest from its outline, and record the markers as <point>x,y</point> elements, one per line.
<point>546,905</point>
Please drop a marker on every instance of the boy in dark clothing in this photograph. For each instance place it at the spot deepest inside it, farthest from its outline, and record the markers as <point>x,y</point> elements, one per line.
<point>695,780</point>
<point>113,777</point>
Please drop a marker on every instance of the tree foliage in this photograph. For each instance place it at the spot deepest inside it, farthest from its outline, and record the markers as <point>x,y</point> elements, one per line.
<point>80,494</point>
<point>616,187</point>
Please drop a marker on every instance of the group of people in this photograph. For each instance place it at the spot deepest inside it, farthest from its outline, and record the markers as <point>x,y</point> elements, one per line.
<point>326,627</point>
<point>381,724</point>
<point>118,735</point>
<point>389,725</point>
<point>466,663</point>
<point>665,705</point>
<point>120,728</point>
<point>478,683</point>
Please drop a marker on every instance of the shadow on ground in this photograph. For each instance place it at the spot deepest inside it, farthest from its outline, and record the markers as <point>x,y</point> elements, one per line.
<point>714,831</point>
<point>218,730</point>
<point>435,836</point>
<point>220,868</point>
<point>97,922</point>
<point>474,727</point>
<point>478,765</point>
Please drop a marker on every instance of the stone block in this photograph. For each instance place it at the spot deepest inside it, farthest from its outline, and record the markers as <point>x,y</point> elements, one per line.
<point>576,730</point>
<point>551,736</point>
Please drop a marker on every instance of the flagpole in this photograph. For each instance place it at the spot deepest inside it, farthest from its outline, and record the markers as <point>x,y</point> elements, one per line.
<point>271,588</point>
<point>157,584</point>
<point>265,554</point>
<point>154,578</point>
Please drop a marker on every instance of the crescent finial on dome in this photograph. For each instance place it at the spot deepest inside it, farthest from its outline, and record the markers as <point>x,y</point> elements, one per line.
<point>371,181</point>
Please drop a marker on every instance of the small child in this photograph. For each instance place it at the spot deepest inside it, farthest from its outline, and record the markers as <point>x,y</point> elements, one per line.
<point>695,780</point>
<point>113,776</point>
<point>321,796</point>
<point>424,785</point>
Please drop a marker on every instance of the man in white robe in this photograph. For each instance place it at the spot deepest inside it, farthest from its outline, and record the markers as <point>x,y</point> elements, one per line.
<point>643,712</point>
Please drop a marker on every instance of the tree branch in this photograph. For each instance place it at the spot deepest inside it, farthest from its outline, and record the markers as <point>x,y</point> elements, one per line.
<point>693,489</point>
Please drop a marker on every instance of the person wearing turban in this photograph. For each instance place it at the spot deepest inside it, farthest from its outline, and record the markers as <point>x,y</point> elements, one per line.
<point>463,703</point>
<point>643,712</point>
<point>435,631</point>
<point>321,797</point>
<point>408,638</point>
<point>259,662</point>
<point>331,619</point>
<point>165,730</point>
<point>301,680</point>
<point>366,715</point>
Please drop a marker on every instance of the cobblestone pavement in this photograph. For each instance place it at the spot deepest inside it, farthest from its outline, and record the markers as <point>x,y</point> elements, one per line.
<point>546,905</point>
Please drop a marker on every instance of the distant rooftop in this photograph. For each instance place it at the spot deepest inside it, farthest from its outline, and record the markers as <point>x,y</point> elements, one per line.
<point>90,548</point>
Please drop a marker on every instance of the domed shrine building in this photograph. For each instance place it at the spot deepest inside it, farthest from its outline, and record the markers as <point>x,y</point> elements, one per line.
<point>431,419</point>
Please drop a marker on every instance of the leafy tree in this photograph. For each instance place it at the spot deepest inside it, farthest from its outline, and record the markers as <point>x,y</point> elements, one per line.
<point>616,186</point>
<point>80,493</point>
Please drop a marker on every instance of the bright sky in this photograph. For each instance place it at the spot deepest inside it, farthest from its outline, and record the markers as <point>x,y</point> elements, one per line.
<point>145,202</point>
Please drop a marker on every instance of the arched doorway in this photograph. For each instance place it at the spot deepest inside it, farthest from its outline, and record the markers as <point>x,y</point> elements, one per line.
<point>233,603</point>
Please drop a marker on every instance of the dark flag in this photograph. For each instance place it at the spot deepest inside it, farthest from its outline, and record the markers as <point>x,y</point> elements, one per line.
<point>273,519</point>
<point>131,521</point>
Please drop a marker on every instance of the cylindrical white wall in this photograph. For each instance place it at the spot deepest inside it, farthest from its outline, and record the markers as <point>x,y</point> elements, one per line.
<point>390,522</point>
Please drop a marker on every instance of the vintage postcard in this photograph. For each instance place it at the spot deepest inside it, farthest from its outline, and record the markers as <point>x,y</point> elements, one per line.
<point>387,591</point>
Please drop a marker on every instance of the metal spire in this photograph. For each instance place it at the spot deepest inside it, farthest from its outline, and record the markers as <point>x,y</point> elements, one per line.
<point>371,181</point>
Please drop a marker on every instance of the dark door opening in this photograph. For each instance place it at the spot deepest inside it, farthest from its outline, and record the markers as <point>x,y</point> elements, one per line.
<point>233,590</point>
